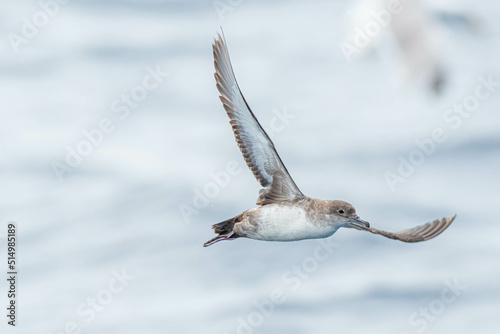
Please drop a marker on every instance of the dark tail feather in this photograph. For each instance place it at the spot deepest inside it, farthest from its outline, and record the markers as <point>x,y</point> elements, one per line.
<point>224,227</point>
<point>224,230</point>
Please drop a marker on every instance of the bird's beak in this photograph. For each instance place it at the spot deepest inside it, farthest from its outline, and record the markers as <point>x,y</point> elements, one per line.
<point>356,222</point>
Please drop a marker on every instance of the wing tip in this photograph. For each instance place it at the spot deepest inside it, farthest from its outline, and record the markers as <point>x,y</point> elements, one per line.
<point>219,39</point>
<point>440,226</point>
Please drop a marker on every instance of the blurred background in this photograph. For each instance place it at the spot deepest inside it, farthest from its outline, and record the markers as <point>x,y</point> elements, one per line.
<point>117,157</point>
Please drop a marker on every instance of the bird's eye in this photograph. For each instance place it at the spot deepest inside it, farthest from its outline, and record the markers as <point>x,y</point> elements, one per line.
<point>341,211</point>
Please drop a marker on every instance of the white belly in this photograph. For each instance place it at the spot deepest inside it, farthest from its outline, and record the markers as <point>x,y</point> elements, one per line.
<point>283,223</point>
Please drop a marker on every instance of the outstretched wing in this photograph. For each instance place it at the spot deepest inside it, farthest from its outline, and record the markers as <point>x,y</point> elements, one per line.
<point>254,143</point>
<point>418,233</point>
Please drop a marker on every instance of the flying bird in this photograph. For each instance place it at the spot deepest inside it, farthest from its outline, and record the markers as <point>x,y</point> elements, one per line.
<point>409,40</point>
<point>284,212</point>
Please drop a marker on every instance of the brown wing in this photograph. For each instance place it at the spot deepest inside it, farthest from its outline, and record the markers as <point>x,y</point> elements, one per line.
<point>418,233</point>
<point>254,143</point>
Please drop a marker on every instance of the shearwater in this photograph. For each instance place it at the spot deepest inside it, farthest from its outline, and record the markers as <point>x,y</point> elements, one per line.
<point>284,213</point>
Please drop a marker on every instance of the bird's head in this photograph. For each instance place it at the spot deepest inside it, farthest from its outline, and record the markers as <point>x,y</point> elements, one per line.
<point>345,213</point>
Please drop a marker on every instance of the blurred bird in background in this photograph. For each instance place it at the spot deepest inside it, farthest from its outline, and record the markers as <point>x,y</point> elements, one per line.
<point>407,35</point>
